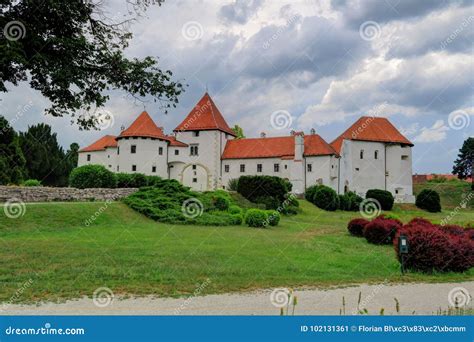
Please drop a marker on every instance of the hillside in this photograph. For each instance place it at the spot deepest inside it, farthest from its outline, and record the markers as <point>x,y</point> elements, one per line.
<point>452,193</point>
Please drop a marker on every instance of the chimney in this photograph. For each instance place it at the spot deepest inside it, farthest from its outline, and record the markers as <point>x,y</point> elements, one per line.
<point>313,131</point>
<point>292,132</point>
<point>122,128</point>
<point>299,146</point>
<point>263,135</point>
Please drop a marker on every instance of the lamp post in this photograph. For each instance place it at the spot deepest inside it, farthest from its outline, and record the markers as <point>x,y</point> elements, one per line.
<point>402,250</point>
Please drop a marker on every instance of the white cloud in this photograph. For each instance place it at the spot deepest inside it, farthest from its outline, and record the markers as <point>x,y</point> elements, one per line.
<point>435,133</point>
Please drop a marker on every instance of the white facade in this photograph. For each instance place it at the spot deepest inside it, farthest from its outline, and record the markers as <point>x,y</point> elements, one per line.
<point>197,158</point>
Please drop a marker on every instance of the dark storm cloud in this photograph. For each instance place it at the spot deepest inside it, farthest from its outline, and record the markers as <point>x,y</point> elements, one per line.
<point>311,48</point>
<point>358,11</point>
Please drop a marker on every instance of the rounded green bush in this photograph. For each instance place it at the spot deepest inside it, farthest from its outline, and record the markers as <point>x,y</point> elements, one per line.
<point>310,191</point>
<point>273,217</point>
<point>221,203</point>
<point>326,198</point>
<point>92,176</point>
<point>31,182</point>
<point>428,200</point>
<point>385,198</point>
<point>237,219</point>
<point>234,209</point>
<point>256,218</point>
<point>344,202</point>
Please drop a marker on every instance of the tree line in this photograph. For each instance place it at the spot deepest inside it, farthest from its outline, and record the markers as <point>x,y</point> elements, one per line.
<point>34,154</point>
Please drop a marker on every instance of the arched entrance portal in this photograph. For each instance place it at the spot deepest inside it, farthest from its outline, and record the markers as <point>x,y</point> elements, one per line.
<point>196,176</point>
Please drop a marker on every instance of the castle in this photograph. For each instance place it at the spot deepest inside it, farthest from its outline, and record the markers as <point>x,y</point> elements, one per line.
<point>204,154</point>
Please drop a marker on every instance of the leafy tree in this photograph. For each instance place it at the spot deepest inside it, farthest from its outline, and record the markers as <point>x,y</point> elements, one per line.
<point>72,157</point>
<point>45,158</point>
<point>463,165</point>
<point>12,161</point>
<point>73,54</point>
<point>239,132</point>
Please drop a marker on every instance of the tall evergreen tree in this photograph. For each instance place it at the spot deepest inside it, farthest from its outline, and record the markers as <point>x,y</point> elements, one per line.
<point>12,161</point>
<point>45,158</point>
<point>72,157</point>
<point>463,165</point>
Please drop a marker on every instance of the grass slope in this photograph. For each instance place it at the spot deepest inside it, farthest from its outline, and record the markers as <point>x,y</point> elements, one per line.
<point>52,250</point>
<point>451,193</point>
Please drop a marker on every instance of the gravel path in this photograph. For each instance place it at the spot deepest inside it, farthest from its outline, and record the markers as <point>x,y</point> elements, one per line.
<point>418,298</point>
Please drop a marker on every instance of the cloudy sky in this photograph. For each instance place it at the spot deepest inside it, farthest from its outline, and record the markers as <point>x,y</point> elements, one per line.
<point>272,66</point>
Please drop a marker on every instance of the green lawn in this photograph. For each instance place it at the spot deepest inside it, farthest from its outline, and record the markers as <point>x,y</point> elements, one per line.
<point>122,250</point>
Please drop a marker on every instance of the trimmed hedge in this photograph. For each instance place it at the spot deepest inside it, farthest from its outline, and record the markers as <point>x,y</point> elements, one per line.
<point>131,180</point>
<point>31,182</point>
<point>256,218</point>
<point>356,226</point>
<point>381,230</point>
<point>92,176</point>
<point>428,200</point>
<point>432,248</point>
<point>325,198</point>
<point>273,217</point>
<point>385,198</point>
<point>271,191</point>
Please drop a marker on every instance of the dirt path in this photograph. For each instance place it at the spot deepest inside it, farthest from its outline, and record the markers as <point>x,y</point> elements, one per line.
<point>418,298</point>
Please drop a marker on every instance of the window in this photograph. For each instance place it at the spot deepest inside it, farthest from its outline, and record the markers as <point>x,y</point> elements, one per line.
<point>242,167</point>
<point>176,152</point>
<point>194,150</point>
<point>259,167</point>
<point>286,166</point>
<point>226,168</point>
<point>133,149</point>
<point>195,180</point>
<point>332,166</point>
<point>404,157</point>
<point>376,154</point>
<point>357,169</point>
<point>309,167</point>
<point>118,150</point>
<point>134,168</point>
<point>194,167</point>
<point>276,167</point>
<point>108,156</point>
<point>361,154</point>
<point>110,166</point>
<point>153,169</point>
<point>196,133</point>
<point>160,151</point>
<point>118,168</point>
<point>88,157</point>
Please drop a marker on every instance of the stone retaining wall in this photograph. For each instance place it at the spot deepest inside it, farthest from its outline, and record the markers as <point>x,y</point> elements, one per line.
<point>47,194</point>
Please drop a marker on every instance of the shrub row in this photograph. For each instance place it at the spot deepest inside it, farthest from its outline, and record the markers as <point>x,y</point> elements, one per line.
<point>431,247</point>
<point>97,176</point>
<point>262,218</point>
<point>268,190</point>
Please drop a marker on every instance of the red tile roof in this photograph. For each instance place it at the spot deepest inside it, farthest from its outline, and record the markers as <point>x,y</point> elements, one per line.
<point>205,116</point>
<point>369,128</point>
<point>174,142</point>
<point>275,147</point>
<point>143,126</point>
<point>101,144</point>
